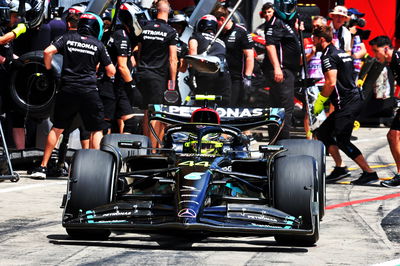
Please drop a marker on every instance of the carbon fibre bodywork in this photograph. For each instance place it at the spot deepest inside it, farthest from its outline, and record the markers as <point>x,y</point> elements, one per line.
<point>228,191</point>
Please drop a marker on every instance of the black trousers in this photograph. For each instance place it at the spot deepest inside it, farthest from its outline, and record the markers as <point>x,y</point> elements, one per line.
<point>337,129</point>
<point>282,96</point>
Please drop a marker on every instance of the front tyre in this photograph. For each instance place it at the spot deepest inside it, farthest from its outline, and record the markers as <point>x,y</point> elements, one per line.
<point>90,185</point>
<point>315,149</point>
<point>294,187</point>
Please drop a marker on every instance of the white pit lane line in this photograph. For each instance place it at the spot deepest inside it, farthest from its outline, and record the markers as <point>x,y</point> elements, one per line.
<point>389,263</point>
<point>368,140</point>
<point>20,188</point>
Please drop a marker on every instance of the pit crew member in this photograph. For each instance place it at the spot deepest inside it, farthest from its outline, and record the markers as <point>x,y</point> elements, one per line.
<point>340,88</point>
<point>211,83</point>
<point>239,56</point>
<point>384,52</point>
<point>82,52</point>
<point>282,62</point>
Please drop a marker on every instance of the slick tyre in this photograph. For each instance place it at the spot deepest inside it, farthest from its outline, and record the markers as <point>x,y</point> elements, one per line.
<point>315,149</point>
<point>91,185</point>
<point>293,179</point>
<point>32,87</point>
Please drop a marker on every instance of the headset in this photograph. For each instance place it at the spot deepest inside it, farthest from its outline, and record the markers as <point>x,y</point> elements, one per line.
<point>153,10</point>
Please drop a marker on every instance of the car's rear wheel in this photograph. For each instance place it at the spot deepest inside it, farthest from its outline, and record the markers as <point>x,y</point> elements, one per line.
<point>294,187</point>
<point>315,149</point>
<point>91,185</point>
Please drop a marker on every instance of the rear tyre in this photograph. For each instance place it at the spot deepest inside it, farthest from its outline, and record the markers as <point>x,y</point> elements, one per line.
<point>293,179</point>
<point>91,185</point>
<point>315,149</point>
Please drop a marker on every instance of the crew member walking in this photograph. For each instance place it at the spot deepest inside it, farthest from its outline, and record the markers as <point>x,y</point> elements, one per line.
<point>384,52</point>
<point>339,87</point>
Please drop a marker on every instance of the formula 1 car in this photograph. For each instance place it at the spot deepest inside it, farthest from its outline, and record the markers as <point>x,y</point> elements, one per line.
<point>204,180</point>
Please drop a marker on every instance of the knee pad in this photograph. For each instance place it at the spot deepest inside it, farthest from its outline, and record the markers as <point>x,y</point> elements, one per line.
<point>132,125</point>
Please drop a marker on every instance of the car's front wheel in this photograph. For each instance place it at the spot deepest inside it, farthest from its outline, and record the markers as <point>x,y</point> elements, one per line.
<point>294,186</point>
<point>91,185</point>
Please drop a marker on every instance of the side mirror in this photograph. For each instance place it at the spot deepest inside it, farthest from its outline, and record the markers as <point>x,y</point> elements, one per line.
<point>270,148</point>
<point>130,144</point>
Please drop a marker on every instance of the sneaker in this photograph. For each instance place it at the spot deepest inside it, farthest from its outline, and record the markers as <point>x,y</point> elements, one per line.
<point>394,182</point>
<point>39,172</point>
<point>337,174</point>
<point>365,178</point>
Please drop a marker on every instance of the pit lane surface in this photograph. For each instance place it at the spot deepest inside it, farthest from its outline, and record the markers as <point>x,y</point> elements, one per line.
<point>361,226</point>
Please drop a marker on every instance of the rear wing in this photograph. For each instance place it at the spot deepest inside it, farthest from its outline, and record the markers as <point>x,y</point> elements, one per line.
<point>240,118</point>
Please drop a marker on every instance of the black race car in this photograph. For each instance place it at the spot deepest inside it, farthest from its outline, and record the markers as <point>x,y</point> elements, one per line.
<point>204,179</point>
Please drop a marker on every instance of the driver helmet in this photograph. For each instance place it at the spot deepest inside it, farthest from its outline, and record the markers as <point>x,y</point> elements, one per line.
<point>207,23</point>
<point>90,24</point>
<point>285,9</point>
<point>209,145</point>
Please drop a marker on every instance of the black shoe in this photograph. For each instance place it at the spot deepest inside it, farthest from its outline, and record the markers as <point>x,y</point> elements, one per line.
<point>39,172</point>
<point>337,174</point>
<point>366,178</point>
<point>394,182</point>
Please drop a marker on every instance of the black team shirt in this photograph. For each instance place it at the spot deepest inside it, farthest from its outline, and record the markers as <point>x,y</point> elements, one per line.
<point>236,40</point>
<point>155,40</point>
<point>81,54</point>
<point>287,44</point>
<point>120,45</point>
<point>345,93</point>
<point>395,65</point>
<point>217,49</point>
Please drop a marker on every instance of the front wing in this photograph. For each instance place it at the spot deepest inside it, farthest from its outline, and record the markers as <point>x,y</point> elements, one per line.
<point>229,219</point>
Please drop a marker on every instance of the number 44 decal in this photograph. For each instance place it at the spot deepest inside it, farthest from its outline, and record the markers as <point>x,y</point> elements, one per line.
<point>193,163</point>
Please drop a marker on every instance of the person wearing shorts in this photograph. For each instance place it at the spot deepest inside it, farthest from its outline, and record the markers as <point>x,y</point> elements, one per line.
<point>340,89</point>
<point>82,51</point>
<point>384,52</point>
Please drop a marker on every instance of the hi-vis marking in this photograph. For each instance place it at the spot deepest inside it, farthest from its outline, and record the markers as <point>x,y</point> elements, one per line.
<point>193,163</point>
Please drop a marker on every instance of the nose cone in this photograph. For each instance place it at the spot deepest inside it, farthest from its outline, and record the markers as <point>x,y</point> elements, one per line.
<point>192,192</point>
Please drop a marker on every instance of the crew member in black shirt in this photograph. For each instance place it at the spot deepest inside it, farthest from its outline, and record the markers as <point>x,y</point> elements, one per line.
<point>157,56</point>
<point>211,83</point>
<point>239,55</point>
<point>8,33</point>
<point>157,64</point>
<point>179,22</point>
<point>384,52</point>
<point>120,49</point>
<point>282,62</point>
<point>339,87</point>
<point>82,52</point>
